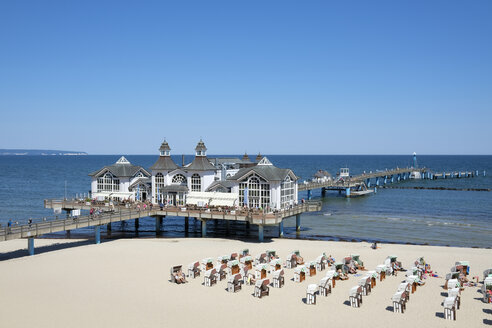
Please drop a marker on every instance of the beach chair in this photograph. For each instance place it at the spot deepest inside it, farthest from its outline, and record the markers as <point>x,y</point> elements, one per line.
<point>291,261</point>
<point>194,269</point>
<point>247,275</point>
<point>221,272</point>
<point>278,278</point>
<point>325,286</point>
<point>311,268</point>
<point>244,252</point>
<point>393,263</point>
<point>413,281</point>
<point>261,271</point>
<point>349,265</point>
<point>374,276</point>
<point>300,273</point>
<point>453,283</point>
<point>262,288</point>
<point>487,273</point>
<point>332,274</point>
<point>465,266</point>
<point>233,256</point>
<point>399,301</point>
<point>450,308</point>
<point>176,271</point>
<point>234,283</point>
<point>449,276</point>
<point>456,293</point>
<point>311,293</point>
<point>487,290</point>
<point>271,254</point>
<point>210,278</point>
<point>222,260</point>
<point>355,296</point>
<point>414,271</point>
<point>275,264</point>
<point>321,262</point>
<point>247,261</point>
<point>356,258</point>
<point>261,258</point>
<point>233,266</point>
<point>299,258</point>
<point>207,263</point>
<point>365,283</point>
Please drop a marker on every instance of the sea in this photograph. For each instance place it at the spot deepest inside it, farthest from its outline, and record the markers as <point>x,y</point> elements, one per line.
<point>415,216</point>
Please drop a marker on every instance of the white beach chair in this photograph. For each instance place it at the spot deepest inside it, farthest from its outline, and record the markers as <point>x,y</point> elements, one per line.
<point>487,290</point>
<point>194,269</point>
<point>233,267</point>
<point>176,270</point>
<point>247,261</point>
<point>450,308</point>
<point>311,293</point>
<point>261,258</point>
<point>332,274</point>
<point>325,286</point>
<point>365,283</point>
<point>399,301</point>
<point>374,277</point>
<point>487,273</point>
<point>456,293</point>
<point>234,283</point>
<point>321,262</point>
<point>310,268</point>
<point>453,283</point>
<point>381,269</point>
<point>207,264</point>
<point>221,272</point>
<point>405,287</point>
<point>291,261</point>
<point>209,278</point>
<point>275,264</point>
<point>278,278</point>
<point>300,273</point>
<point>261,271</point>
<point>355,296</point>
<point>262,288</point>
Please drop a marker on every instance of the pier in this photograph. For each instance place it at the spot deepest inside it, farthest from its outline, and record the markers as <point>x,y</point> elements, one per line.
<point>120,213</point>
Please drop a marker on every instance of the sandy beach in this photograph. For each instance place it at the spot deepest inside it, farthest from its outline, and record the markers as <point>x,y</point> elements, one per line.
<point>125,283</point>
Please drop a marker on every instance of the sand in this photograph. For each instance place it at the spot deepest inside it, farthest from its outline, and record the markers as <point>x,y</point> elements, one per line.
<point>125,283</point>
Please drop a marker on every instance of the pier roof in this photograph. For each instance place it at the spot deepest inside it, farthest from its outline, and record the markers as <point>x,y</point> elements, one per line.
<point>225,184</point>
<point>164,163</point>
<point>122,168</point>
<point>200,163</point>
<point>266,170</point>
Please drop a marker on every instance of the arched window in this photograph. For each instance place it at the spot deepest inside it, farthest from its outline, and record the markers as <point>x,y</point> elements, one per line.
<point>179,179</point>
<point>196,182</point>
<point>108,183</point>
<point>258,192</point>
<point>159,186</point>
<point>287,192</point>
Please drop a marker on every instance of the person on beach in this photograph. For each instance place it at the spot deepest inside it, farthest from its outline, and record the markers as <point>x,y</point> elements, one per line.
<point>179,277</point>
<point>29,222</point>
<point>374,245</point>
<point>9,225</point>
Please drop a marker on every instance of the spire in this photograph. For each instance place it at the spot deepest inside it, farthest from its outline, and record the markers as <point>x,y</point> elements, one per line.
<point>200,149</point>
<point>164,149</point>
<point>258,157</point>
<point>246,157</point>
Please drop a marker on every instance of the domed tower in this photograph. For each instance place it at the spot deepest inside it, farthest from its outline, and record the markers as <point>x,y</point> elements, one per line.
<point>200,149</point>
<point>164,162</point>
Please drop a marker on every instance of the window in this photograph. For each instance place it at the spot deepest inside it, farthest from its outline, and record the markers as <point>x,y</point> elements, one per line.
<point>159,185</point>
<point>108,183</point>
<point>287,192</point>
<point>196,182</point>
<point>179,179</point>
<point>258,192</point>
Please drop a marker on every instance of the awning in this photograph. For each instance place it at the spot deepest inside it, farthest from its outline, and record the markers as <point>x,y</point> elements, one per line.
<point>211,198</point>
<point>174,188</point>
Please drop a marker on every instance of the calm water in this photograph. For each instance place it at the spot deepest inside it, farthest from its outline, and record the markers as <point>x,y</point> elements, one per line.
<point>458,218</point>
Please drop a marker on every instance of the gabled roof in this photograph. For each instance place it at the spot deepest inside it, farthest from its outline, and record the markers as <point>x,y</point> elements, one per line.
<point>200,163</point>
<point>164,163</point>
<point>225,184</point>
<point>121,169</point>
<point>266,170</point>
<point>140,181</point>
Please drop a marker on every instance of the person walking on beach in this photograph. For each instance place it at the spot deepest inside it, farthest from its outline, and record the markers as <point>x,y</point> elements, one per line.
<point>9,225</point>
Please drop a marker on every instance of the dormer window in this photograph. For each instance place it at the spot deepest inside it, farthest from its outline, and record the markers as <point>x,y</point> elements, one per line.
<point>164,152</point>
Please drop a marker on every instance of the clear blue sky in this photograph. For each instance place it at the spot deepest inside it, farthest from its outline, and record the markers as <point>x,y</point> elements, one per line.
<point>280,77</point>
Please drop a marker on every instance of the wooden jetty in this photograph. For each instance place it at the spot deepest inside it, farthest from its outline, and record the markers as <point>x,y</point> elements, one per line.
<point>119,213</point>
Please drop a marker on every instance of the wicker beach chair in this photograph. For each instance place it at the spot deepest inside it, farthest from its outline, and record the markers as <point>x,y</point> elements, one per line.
<point>356,258</point>
<point>332,275</point>
<point>311,268</point>
<point>233,267</point>
<point>278,278</point>
<point>325,286</point>
<point>365,283</point>
<point>221,272</point>
<point>455,292</point>
<point>300,273</point>
<point>207,263</point>
<point>247,261</point>
<point>291,261</point>
<point>487,273</point>
<point>311,293</point>
<point>261,271</point>
<point>450,308</point>
<point>275,264</point>
<point>210,278</point>
<point>355,296</point>
<point>299,258</point>
<point>194,269</point>
<point>261,258</point>
<point>262,288</point>
<point>176,274</point>
<point>405,287</point>
<point>234,283</point>
<point>487,290</point>
<point>399,301</point>
<point>321,262</point>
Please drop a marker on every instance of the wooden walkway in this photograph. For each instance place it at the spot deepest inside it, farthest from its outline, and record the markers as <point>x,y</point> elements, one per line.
<point>121,213</point>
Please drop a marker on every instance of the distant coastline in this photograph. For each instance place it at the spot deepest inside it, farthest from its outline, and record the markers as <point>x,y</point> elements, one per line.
<point>40,152</point>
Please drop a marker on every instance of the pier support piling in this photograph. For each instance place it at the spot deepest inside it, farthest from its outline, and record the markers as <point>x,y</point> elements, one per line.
<point>158,223</point>
<point>204,227</point>
<point>347,192</point>
<point>298,222</point>
<point>323,192</point>
<point>97,234</point>
<point>30,245</point>
<point>281,229</point>
<point>228,227</point>
<point>137,223</point>
<point>108,227</point>
<point>309,194</point>
<point>187,224</point>
<point>260,233</point>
